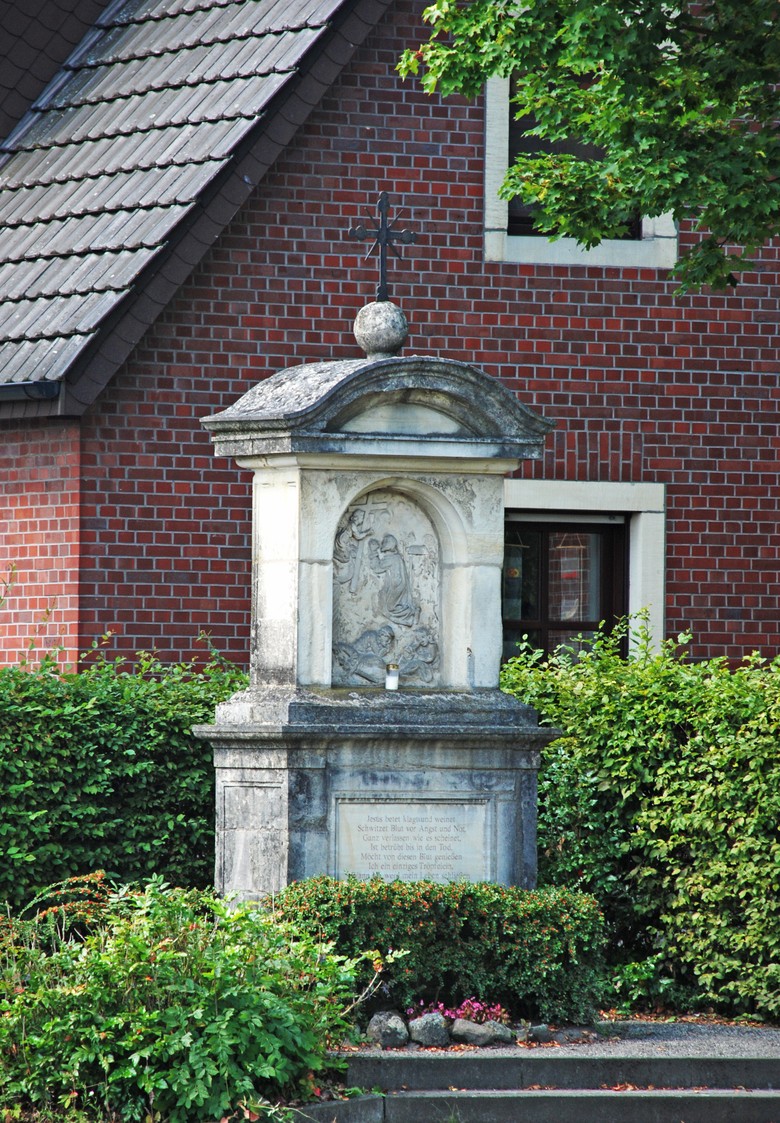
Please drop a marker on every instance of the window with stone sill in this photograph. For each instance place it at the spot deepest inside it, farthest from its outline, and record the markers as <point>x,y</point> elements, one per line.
<point>562,578</point>
<point>578,553</point>
<point>509,236</point>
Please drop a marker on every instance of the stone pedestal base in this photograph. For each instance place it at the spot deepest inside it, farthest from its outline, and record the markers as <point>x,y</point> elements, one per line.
<point>417,785</point>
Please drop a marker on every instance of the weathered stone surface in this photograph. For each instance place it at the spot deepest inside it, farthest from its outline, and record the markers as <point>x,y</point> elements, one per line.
<point>541,1035</point>
<point>443,839</point>
<point>381,329</point>
<point>388,1029</point>
<point>418,713</point>
<point>386,592</point>
<point>431,1030</point>
<point>314,784</point>
<point>314,400</point>
<point>488,1033</point>
<point>377,538</point>
<point>504,1034</point>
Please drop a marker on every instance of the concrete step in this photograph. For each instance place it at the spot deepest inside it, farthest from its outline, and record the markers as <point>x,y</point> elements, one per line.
<point>713,1105</point>
<point>543,1086</point>
<point>546,1069</point>
<point>583,1106</point>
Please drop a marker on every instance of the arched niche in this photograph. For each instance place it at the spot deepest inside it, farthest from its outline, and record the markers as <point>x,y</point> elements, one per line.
<point>387,592</point>
<point>437,560</point>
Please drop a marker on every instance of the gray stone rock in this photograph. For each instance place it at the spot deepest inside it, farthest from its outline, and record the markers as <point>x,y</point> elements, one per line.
<point>430,1029</point>
<point>388,1029</point>
<point>504,1035</point>
<point>381,329</point>
<point>541,1035</point>
<point>469,1033</point>
<point>574,1035</point>
<point>489,1033</point>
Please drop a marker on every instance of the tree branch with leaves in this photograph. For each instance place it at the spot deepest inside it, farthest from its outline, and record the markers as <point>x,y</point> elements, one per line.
<point>681,98</point>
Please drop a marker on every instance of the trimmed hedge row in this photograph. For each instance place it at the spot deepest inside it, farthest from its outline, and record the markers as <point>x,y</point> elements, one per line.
<point>663,800</point>
<point>100,770</point>
<point>539,953</point>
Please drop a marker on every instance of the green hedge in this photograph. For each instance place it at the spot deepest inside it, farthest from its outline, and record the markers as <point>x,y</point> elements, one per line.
<point>100,770</point>
<point>663,800</point>
<point>537,953</point>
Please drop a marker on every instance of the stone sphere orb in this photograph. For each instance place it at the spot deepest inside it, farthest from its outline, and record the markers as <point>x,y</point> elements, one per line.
<point>381,329</point>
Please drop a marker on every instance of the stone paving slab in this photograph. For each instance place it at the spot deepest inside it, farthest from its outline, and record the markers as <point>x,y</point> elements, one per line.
<point>362,1109</point>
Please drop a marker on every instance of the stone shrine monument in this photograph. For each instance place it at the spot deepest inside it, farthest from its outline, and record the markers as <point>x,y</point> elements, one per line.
<point>373,737</point>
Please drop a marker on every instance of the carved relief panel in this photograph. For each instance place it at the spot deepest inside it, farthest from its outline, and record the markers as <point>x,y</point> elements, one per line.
<point>386,593</point>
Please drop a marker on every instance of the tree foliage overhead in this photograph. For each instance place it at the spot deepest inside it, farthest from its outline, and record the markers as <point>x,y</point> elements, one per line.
<point>683,98</point>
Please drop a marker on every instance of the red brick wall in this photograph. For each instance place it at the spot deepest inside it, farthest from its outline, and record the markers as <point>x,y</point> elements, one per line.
<point>643,386</point>
<point>165,524</point>
<point>39,539</point>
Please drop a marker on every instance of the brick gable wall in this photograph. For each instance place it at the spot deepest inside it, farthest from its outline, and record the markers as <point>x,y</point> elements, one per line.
<point>644,387</point>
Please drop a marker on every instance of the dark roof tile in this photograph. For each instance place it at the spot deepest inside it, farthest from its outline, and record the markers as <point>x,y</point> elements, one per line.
<point>94,272</point>
<point>50,318</point>
<point>171,145</point>
<point>99,183</point>
<point>49,358</point>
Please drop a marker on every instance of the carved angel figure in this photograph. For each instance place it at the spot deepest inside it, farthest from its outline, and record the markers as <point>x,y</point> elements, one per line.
<point>346,550</point>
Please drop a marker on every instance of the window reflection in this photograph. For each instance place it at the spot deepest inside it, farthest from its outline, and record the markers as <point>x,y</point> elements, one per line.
<point>561,581</point>
<point>575,571</point>
<point>522,592</point>
<point>575,641</point>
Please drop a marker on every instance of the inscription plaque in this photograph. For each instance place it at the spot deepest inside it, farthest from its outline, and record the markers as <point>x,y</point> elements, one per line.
<point>412,841</point>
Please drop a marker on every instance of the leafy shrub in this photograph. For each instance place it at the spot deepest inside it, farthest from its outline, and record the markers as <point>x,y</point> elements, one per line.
<point>161,1004</point>
<point>538,953</point>
<point>663,800</point>
<point>647,983</point>
<point>100,769</point>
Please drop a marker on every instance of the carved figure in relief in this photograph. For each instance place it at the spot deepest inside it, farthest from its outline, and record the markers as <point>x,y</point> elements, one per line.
<point>424,555</point>
<point>346,549</point>
<point>395,600</point>
<point>420,656</point>
<point>350,546</point>
<point>366,659</point>
<point>386,592</point>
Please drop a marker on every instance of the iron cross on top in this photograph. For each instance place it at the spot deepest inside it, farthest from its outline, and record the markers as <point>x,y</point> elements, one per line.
<point>384,236</point>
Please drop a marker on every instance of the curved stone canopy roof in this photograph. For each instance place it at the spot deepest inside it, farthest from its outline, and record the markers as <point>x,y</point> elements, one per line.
<point>322,405</point>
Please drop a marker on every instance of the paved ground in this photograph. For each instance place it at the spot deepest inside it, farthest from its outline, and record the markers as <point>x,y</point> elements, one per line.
<point>653,1038</point>
<point>680,1038</point>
